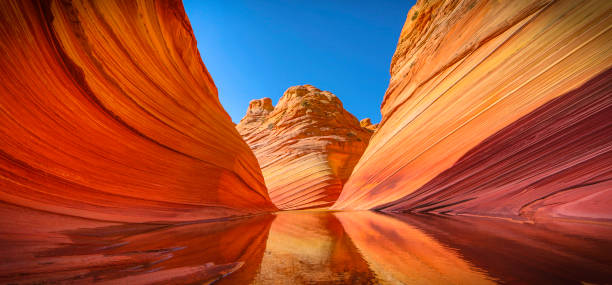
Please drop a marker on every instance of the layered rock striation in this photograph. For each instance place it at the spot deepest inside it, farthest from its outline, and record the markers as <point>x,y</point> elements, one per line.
<point>306,146</point>
<point>495,108</point>
<point>367,123</point>
<point>107,112</point>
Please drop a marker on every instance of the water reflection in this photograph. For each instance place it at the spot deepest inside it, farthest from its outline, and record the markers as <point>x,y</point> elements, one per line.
<point>400,253</point>
<point>544,253</point>
<point>313,247</point>
<point>69,250</point>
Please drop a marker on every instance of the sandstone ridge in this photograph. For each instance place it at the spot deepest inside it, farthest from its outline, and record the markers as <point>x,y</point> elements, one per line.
<point>106,111</point>
<point>495,108</point>
<point>306,146</point>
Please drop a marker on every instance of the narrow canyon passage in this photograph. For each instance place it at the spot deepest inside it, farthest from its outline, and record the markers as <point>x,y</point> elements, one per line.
<point>492,162</point>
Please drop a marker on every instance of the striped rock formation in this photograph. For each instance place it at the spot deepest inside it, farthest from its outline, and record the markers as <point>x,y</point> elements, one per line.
<point>107,112</point>
<point>495,108</point>
<point>367,123</point>
<point>307,146</point>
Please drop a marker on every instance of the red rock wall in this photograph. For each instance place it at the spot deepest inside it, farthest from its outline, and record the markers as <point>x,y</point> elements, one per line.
<point>554,162</point>
<point>307,146</point>
<point>108,112</point>
<point>497,108</point>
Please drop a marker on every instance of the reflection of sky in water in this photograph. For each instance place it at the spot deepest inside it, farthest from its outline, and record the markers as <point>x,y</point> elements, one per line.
<point>322,247</point>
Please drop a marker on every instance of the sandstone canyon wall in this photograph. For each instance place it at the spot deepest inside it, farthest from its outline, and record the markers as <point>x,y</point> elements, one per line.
<point>496,108</point>
<point>107,112</point>
<point>306,146</point>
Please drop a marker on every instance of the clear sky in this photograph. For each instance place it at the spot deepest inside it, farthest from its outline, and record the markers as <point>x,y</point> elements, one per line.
<point>255,49</point>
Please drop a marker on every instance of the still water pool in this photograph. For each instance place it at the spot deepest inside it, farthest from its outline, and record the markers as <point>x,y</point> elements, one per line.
<point>320,247</point>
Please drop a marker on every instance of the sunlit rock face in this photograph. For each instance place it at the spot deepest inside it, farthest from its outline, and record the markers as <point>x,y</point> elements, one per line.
<point>558,167</point>
<point>495,108</point>
<point>306,146</point>
<point>367,123</point>
<point>108,112</point>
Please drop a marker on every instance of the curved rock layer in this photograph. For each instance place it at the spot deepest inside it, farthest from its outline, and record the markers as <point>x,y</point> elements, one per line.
<point>554,162</point>
<point>367,123</point>
<point>307,146</point>
<point>494,108</point>
<point>108,113</point>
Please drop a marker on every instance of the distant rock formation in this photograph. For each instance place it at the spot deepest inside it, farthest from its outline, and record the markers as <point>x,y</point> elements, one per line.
<point>108,113</point>
<point>367,123</point>
<point>495,108</point>
<point>306,146</point>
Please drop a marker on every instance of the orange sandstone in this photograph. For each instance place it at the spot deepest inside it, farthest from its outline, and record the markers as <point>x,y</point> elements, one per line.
<point>107,112</point>
<point>497,108</point>
<point>306,146</point>
<point>367,123</point>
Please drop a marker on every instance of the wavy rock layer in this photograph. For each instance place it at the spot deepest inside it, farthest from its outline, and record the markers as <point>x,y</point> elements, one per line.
<point>494,108</point>
<point>367,123</point>
<point>108,112</point>
<point>554,162</point>
<point>307,146</point>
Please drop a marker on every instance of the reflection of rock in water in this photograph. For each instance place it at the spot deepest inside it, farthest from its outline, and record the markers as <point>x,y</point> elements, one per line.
<point>302,247</point>
<point>402,254</point>
<point>131,253</point>
<point>311,247</point>
<point>546,253</point>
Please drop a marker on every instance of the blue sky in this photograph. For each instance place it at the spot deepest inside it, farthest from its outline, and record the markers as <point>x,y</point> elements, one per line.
<point>256,49</point>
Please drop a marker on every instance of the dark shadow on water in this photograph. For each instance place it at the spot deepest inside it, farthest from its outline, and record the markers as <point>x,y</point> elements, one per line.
<point>544,253</point>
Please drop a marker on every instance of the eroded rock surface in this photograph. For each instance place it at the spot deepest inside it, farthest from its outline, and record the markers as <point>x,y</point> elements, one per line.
<point>107,112</point>
<point>367,123</point>
<point>495,108</point>
<point>306,146</point>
